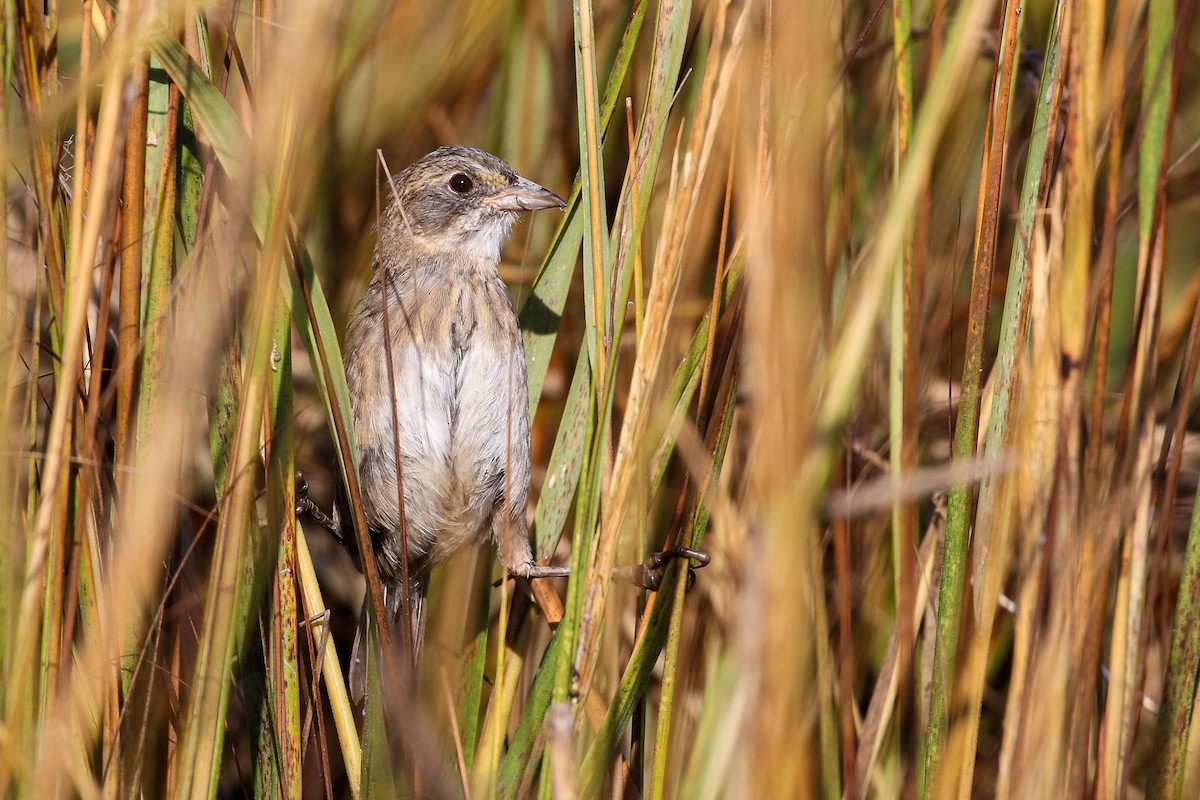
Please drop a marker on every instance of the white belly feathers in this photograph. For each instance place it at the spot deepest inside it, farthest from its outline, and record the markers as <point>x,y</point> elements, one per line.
<point>464,441</point>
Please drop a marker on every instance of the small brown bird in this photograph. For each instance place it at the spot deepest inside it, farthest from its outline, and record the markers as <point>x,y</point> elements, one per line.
<point>459,388</point>
<point>456,394</point>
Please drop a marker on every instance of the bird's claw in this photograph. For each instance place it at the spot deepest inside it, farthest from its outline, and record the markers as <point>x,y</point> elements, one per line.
<point>650,573</point>
<point>303,504</point>
<point>305,507</point>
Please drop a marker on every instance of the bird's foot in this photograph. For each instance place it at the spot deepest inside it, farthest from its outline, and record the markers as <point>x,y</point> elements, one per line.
<point>306,507</point>
<point>648,575</point>
<point>535,571</point>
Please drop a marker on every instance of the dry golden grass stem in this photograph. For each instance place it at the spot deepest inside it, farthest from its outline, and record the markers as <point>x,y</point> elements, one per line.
<point>331,668</point>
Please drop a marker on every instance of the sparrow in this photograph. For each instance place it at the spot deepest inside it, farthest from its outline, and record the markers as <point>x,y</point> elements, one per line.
<point>454,401</point>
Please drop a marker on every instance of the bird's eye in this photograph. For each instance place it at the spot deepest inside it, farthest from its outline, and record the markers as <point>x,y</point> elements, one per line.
<point>460,183</point>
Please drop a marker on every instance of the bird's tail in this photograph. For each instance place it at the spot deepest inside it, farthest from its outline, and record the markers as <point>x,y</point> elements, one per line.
<point>394,603</point>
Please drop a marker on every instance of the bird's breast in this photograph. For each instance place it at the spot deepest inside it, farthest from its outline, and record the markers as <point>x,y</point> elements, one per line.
<point>458,399</point>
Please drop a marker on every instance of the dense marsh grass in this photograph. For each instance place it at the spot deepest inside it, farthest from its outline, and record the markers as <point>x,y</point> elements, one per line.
<point>892,308</point>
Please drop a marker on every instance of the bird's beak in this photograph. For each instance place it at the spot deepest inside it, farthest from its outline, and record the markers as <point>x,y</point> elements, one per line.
<point>524,196</point>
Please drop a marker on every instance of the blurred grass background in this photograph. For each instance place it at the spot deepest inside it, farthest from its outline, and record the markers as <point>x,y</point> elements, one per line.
<point>892,307</point>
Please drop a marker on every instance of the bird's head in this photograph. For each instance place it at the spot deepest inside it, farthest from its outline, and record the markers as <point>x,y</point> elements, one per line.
<point>459,199</point>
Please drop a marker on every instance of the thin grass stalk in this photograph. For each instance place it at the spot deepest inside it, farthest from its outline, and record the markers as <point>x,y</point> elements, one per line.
<point>1137,410</point>
<point>26,737</point>
<point>902,440</point>
<point>640,731</point>
<point>639,291</point>
<point>844,602</point>
<point>1033,757</point>
<point>456,735</point>
<point>1128,608</point>
<point>1086,41</point>
<point>662,740</point>
<point>85,576</point>
<point>960,509</point>
<point>500,707</point>
<point>331,670</point>
<point>1174,718</point>
<point>915,305</point>
<point>1091,558</point>
<point>10,394</point>
<point>51,641</point>
<point>160,271</point>
<point>882,705</point>
<point>132,195</point>
<point>1012,333</point>
<point>282,623</point>
<point>1170,461</point>
<point>591,173</point>
<point>843,467</point>
<point>1123,25</point>
<point>1175,715</point>
<point>471,697</point>
<point>406,623</point>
